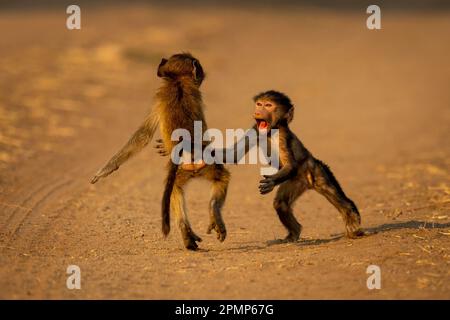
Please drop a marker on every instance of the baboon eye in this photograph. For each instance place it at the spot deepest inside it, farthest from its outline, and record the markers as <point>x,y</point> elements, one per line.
<point>268,105</point>
<point>259,104</point>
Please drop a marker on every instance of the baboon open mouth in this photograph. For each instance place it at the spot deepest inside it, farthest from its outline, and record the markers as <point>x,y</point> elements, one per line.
<point>262,124</point>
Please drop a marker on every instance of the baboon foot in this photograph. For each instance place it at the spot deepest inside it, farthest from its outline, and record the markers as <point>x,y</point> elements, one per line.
<point>191,245</point>
<point>220,230</point>
<point>353,225</point>
<point>294,234</point>
<point>190,240</point>
<point>354,234</point>
<point>292,237</point>
<point>353,230</point>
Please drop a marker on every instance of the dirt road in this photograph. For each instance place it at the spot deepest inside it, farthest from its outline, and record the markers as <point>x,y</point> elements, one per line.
<point>374,105</point>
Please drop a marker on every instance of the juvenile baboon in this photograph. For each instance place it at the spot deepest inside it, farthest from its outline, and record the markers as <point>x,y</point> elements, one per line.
<point>299,170</point>
<point>179,104</point>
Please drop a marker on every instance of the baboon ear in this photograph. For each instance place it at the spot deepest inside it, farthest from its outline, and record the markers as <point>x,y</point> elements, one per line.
<point>160,72</point>
<point>197,71</point>
<point>289,115</point>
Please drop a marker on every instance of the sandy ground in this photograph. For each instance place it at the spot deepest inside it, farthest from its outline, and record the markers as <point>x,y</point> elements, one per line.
<point>372,104</point>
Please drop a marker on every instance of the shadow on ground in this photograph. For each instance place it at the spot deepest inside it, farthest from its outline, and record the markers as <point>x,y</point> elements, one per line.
<point>413,224</point>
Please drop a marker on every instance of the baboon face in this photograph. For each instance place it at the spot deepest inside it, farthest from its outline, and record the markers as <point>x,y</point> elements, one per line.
<point>272,109</point>
<point>182,65</point>
<point>264,110</point>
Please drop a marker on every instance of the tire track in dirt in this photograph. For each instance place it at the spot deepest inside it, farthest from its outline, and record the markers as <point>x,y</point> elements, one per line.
<point>48,197</point>
<point>41,201</point>
<point>40,241</point>
<point>23,205</point>
<point>23,201</point>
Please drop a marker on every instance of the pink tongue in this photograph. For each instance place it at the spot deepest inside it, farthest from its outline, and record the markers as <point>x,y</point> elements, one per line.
<point>263,125</point>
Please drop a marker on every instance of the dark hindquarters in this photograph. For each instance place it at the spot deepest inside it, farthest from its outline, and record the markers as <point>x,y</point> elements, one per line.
<point>326,184</point>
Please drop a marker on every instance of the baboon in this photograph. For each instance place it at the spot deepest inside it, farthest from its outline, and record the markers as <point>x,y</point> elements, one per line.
<point>179,104</point>
<point>299,170</point>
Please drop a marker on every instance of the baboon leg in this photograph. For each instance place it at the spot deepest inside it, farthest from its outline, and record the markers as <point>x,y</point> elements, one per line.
<point>178,206</point>
<point>287,193</point>
<point>220,180</point>
<point>326,184</point>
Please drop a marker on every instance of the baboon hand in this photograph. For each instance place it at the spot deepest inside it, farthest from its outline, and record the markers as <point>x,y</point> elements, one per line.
<point>105,171</point>
<point>266,185</point>
<point>159,146</point>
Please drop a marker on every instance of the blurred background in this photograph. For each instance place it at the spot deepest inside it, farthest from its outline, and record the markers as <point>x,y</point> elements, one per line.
<point>54,81</point>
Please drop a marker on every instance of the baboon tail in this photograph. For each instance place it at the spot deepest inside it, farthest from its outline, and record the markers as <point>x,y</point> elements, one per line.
<point>172,174</point>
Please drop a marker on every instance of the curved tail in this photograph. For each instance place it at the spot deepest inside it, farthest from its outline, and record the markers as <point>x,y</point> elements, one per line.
<point>165,208</point>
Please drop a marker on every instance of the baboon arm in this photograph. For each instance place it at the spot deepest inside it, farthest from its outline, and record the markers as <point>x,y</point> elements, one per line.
<point>269,182</point>
<point>289,165</point>
<point>288,170</point>
<point>285,173</point>
<point>237,151</point>
<point>241,147</point>
<point>137,142</point>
